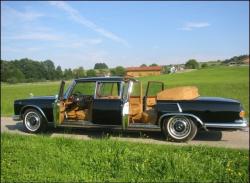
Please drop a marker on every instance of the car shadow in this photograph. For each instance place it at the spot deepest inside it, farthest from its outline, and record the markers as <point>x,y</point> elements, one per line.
<point>96,133</point>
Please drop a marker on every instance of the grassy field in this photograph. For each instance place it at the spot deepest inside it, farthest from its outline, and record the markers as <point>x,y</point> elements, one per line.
<point>231,82</point>
<point>44,159</point>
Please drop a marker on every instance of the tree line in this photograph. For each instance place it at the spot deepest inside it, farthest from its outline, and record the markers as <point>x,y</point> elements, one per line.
<point>27,70</point>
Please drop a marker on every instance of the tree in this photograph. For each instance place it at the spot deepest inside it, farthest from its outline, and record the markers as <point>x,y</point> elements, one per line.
<point>154,64</point>
<point>192,64</point>
<point>100,66</point>
<point>79,72</point>
<point>120,71</point>
<point>91,73</point>
<point>59,72</point>
<point>68,74</point>
<point>166,69</point>
<point>143,65</point>
<point>50,69</point>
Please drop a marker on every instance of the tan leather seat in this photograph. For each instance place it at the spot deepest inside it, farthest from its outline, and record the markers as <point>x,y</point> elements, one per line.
<point>149,116</point>
<point>135,112</point>
<point>80,115</point>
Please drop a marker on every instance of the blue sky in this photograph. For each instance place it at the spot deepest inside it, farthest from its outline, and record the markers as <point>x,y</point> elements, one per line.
<point>74,34</point>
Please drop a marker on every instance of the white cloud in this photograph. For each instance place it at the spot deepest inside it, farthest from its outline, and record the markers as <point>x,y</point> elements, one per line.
<point>194,25</point>
<point>36,36</point>
<point>77,17</point>
<point>71,43</point>
<point>25,15</point>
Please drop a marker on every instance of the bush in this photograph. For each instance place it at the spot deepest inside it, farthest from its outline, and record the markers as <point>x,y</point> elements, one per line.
<point>12,80</point>
<point>192,64</point>
<point>204,65</point>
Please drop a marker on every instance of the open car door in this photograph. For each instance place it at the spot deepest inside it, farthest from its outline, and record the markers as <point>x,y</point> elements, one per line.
<point>149,99</point>
<point>58,106</point>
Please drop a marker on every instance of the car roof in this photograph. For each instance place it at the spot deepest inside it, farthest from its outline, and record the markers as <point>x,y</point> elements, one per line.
<point>109,78</point>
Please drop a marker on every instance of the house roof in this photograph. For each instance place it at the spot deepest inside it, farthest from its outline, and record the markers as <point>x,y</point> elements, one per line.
<point>150,68</point>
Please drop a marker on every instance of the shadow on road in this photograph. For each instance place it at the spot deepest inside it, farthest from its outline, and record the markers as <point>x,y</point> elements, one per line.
<point>106,133</point>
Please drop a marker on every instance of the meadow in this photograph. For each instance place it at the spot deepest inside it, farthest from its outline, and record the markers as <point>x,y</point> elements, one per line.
<point>230,82</point>
<point>44,159</point>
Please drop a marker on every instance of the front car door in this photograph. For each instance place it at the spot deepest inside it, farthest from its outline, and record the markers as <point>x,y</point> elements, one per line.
<point>58,106</point>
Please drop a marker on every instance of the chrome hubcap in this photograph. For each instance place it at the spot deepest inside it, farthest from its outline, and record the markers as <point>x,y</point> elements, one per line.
<point>179,127</point>
<point>32,121</point>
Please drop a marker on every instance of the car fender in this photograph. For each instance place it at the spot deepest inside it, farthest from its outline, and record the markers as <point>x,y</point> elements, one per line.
<point>34,107</point>
<point>182,114</point>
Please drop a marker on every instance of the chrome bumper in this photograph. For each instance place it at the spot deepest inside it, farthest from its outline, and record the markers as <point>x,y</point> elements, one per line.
<point>16,118</point>
<point>238,124</point>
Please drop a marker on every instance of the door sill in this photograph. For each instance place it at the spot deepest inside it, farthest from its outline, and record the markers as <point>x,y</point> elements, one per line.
<point>87,124</point>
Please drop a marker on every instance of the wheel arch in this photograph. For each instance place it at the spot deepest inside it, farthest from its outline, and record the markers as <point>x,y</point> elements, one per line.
<point>195,118</point>
<point>32,107</point>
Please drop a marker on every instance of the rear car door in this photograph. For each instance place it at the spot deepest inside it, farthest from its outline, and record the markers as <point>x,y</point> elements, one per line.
<point>107,104</point>
<point>149,99</point>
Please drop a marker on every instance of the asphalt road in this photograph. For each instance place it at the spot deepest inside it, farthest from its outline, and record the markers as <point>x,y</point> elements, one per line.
<point>235,139</point>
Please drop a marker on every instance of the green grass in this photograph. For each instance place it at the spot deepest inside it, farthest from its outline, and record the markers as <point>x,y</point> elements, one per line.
<point>230,82</point>
<point>45,159</point>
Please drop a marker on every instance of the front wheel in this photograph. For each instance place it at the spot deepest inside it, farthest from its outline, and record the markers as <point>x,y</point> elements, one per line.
<point>179,128</point>
<point>33,121</point>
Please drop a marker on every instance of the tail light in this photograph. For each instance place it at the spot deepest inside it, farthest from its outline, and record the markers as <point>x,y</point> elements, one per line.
<point>242,114</point>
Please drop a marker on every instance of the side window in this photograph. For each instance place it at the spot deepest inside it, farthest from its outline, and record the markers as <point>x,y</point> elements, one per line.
<point>136,91</point>
<point>154,87</point>
<point>108,90</point>
<point>84,88</point>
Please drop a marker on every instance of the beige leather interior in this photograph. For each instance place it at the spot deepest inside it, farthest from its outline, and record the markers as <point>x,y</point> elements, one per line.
<point>135,107</point>
<point>109,97</point>
<point>179,93</point>
<point>74,113</point>
<point>149,116</point>
<point>62,110</point>
<point>150,102</point>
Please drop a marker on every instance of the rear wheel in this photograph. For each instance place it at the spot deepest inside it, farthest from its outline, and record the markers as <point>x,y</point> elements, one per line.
<point>34,121</point>
<point>179,128</point>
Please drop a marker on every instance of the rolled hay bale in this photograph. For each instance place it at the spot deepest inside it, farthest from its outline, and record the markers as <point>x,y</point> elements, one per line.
<point>179,93</point>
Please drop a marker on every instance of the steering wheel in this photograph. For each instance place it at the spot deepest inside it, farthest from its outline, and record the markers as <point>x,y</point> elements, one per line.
<point>76,96</point>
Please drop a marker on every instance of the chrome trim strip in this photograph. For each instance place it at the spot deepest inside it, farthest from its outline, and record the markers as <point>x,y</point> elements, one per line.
<point>238,124</point>
<point>16,117</point>
<point>182,114</point>
<point>38,108</point>
<point>138,125</point>
<point>179,107</point>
